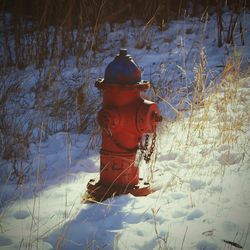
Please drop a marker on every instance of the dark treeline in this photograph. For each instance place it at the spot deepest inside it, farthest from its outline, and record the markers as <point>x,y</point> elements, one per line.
<point>27,26</point>
<point>72,12</point>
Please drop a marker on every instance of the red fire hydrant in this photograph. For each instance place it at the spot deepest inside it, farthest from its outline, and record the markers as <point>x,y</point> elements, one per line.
<point>124,118</point>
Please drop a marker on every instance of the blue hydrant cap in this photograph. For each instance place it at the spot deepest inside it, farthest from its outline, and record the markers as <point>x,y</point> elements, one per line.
<point>122,70</point>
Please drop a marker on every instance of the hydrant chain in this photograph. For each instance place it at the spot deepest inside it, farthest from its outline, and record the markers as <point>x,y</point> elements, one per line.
<point>150,151</point>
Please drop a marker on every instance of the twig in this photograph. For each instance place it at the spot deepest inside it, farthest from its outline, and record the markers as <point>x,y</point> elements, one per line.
<point>184,238</point>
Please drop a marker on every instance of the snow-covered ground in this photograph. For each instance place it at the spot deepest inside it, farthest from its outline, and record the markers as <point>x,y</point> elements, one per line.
<point>201,175</point>
<point>203,200</point>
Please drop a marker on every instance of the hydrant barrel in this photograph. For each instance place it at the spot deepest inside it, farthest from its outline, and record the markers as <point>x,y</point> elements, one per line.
<point>124,118</point>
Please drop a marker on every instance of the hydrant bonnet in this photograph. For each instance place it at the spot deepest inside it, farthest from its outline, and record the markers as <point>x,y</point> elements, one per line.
<point>122,70</point>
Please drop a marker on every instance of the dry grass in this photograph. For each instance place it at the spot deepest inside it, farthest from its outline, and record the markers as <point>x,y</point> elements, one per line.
<point>50,103</point>
<point>216,121</point>
<point>45,30</point>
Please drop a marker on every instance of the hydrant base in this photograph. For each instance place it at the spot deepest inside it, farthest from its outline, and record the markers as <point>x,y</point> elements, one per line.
<point>96,191</point>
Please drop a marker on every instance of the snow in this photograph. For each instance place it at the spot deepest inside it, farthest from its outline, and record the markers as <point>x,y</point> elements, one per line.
<point>204,198</point>
<point>201,177</point>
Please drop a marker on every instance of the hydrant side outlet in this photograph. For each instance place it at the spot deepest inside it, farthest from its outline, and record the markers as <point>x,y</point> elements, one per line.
<point>124,118</point>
